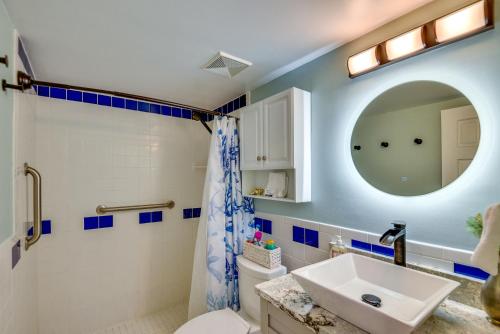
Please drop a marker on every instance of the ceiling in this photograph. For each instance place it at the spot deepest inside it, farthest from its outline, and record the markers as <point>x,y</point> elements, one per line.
<point>409,95</point>
<point>156,47</point>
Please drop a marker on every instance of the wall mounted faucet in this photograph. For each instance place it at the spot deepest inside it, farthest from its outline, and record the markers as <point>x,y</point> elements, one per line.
<point>396,236</point>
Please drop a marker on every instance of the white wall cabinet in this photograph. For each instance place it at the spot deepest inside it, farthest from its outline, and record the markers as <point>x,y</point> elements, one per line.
<point>276,135</point>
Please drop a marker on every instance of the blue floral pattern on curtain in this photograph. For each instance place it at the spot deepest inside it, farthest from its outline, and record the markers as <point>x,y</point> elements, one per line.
<point>230,219</point>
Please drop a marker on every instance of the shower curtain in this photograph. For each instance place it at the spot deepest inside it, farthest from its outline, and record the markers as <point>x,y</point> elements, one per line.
<point>226,221</point>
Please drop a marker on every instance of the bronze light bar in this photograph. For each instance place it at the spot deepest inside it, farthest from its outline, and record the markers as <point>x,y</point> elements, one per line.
<point>24,82</point>
<point>467,21</point>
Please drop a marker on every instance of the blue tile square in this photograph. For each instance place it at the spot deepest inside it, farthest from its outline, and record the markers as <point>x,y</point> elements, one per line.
<point>105,221</point>
<point>361,245</point>
<point>258,223</point>
<point>298,234</point>
<point>387,251</point>
<point>90,98</point>
<point>187,213</point>
<point>204,117</point>
<point>143,106</point>
<point>166,110</point>
<point>312,238</point>
<point>104,100</point>
<point>220,110</point>
<point>46,227</point>
<point>176,112</point>
<point>224,109</point>
<point>230,107</point>
<point>58,93</point>
<point>155,108</point>
<point>118,102</point>
<point>144,217</point>
<point>186,113</point>
<point>196,212</point>
<point>30,232</point>
<point>35,88</point>
<point>74,95</point>
<point>211,117</point>
<point>43,91</point>
<point>236,104</point>
<point>243,100</point>
<point>156,216</point>
<point>131,104</point>
<point>470,271</point>
<point>90,223</point>
<point>267,226</point>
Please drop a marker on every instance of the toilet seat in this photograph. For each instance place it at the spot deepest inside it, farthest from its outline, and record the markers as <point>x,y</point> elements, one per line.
<point>221,322</point>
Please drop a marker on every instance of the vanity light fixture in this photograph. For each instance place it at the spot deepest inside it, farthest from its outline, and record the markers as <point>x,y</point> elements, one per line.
<point>405,44</point>
<point>364,61</point>
<point>462,23</point>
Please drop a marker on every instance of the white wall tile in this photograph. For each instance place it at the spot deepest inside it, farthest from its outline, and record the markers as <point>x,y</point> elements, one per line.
<point>90,155</point>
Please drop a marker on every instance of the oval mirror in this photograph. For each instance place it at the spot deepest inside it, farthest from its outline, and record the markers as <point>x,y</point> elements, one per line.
<point>415,138</point>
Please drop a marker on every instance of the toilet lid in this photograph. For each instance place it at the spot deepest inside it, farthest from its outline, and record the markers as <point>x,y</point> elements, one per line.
<point>225,321</point>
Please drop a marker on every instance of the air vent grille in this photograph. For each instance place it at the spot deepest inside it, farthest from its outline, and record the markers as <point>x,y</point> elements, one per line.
<point>226,65</point>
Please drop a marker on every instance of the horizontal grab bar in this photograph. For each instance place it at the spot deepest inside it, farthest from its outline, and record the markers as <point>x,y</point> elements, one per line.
<point>104,209</point>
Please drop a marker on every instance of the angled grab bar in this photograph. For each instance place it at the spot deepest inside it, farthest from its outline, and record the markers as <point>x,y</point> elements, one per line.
<point>104,209</point>
<point>37,205</point>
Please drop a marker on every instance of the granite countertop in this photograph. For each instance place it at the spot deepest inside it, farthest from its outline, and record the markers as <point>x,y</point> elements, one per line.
<point>450,317</point>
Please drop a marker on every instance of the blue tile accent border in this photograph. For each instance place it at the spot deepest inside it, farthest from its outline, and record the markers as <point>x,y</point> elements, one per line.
<point>237,103</point>
<point>298,234</point>
<point>312,238</point>
<point>97,222</point>
<point>386,251</point>
<point>361,245</point>
<point>267,226</point>
<point>156,216</point>
<point>91,223</point>
<point>150,217</point>
<point>105,221</point>
<point>136,105</point>
<point>470,271</point>
<point>189,213</point>
<point>46,228</point>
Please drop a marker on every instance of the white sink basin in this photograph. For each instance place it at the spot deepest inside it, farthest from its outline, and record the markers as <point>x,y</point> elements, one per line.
<point>407,296</point>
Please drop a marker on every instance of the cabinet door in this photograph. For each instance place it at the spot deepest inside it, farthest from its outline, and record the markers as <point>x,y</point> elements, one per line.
<point>277,112</point>
<point>251,137</point>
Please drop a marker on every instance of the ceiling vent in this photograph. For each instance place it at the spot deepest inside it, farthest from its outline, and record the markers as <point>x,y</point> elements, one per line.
<point>226,65</point>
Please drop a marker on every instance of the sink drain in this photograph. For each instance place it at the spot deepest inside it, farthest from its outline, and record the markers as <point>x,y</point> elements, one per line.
<point>372,300</point>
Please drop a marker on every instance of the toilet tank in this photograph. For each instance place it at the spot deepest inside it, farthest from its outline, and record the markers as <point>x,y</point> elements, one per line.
<point>250,274</point>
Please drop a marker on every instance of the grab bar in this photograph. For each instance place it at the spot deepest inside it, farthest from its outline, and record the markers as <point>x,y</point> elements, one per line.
<point>104,209</point>
<point>37,205</point>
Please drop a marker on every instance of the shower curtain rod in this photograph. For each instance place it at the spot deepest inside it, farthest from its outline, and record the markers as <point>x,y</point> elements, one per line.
<point>24,81</point>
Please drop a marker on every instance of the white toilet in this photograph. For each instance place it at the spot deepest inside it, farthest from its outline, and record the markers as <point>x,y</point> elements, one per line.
<point>247,320</point>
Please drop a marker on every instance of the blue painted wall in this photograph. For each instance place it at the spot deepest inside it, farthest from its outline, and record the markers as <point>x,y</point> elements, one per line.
<point>6,116</point>
<point>339,195</point>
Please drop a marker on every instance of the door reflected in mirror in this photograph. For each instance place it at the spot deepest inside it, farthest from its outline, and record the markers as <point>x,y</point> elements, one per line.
<point>415,138</point>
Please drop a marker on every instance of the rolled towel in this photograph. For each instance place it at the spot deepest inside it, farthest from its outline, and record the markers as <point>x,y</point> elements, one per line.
<point>485,255</point>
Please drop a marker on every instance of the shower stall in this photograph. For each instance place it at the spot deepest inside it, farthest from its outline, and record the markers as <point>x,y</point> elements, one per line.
<point>110,214</point>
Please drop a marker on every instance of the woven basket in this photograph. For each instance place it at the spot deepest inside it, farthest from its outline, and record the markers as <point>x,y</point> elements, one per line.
<point>268,258</point>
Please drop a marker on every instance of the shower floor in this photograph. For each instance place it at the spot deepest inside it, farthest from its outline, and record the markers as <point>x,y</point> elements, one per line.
<point>163,322</point>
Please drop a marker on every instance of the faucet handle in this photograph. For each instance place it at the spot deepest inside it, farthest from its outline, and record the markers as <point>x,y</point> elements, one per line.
<point>399,224</point>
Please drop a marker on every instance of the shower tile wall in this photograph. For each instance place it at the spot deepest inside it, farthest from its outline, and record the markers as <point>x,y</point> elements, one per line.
<point>90,155</point>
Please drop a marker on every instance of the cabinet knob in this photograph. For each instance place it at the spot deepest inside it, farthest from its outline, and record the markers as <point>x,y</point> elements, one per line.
<point>264,158</point>
<point>258,158</point>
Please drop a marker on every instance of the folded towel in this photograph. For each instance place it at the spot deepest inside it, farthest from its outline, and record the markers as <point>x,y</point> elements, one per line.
<point>276,184</point>
<point>485,255</point>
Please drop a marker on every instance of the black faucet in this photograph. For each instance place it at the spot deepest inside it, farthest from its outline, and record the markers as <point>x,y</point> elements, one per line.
<point>396,236</point>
